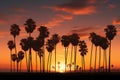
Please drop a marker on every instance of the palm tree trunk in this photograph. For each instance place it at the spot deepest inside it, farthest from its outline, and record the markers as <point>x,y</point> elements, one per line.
<point>55,58</point>
<point>95,59</point>
<point>109,56</point>
<point>15,51</point>
<point>75,50</point>
<point>84,63</point>
<point>10,61</point>
<point>20,65</point>
<point>48,62</point>
<point>40,64</point>
<point>71,58</point>
<point>43,59</point>
<point>99,57</point>
<point>26,60</point>
<point>91,56</point>
<point>65,59</point>
<point>36,62</point>
<point>66,56</point>
<point>105,60</point>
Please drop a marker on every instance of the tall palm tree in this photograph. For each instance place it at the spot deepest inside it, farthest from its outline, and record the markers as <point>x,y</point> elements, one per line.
<point>30,26</point>
<point>15,31</point>
<point>50,48</point>
<point>65,42</point>
<point>11,45</point>
<point>14,58</point>
<point>91,38</point>
<point>83,50</point>
<point>40,54</point>
<point>74,39</point>
<point>25,47</point>
<point>20,58</point>
<point>56,39</point>
<point>110,32</point>
<point>40,44</point>
<point>104,44</point>
<point>36,45</point>
<point>44,33</point>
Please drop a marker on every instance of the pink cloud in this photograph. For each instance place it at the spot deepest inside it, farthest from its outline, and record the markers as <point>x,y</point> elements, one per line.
<point>58,19</point>
<point>111,6</point>
<point>76,7</point>
<point>116,21</point>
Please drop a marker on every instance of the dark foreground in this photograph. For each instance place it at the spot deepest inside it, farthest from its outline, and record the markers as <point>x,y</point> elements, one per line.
<point>60,76</point>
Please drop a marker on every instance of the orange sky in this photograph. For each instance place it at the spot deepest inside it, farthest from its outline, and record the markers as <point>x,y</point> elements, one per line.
<point>62,17</point>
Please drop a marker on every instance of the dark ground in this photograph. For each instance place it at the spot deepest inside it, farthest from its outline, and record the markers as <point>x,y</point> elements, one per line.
<point>60,76</point>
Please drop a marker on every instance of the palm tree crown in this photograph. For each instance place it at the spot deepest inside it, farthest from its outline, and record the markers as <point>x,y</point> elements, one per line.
<point>11,44</point>
<point>14,30</point>
<point>30,26</point>
<point>110,32</point>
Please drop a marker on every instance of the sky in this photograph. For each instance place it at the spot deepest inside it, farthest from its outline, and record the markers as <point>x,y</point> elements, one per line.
<point>63,17</point>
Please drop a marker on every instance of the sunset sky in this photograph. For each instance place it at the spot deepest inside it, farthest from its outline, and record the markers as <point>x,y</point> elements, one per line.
<point>61,17</point>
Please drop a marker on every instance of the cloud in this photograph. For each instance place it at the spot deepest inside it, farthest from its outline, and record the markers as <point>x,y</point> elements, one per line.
<point>112,6</point>
<point>84,32</point>
<point>58,19</point>
<point>116,21</point>
<point>77,7</point>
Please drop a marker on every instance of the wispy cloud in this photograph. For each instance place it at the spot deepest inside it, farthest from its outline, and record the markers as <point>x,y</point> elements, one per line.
<point>77,7</point>
<point>84,32</point>
<point>58,19</point>
<point>116,21</point>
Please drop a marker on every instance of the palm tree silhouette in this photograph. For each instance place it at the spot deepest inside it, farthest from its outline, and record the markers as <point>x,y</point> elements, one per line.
<point>25,47</point>
<point>14,58</point>
<point>15,31</point>
<point>56,39</point>
<point>40,54</point>
<point>44,33</point>
<point>110,32</point>
<point>83,50</point>
<point>36,45</point>
<point>20,58</point>
<point>91,38</point>
<point>104,44</point>
<point>40,44</point>
<point>11,45</point>
<point>30,27</point>
<point>74,39</point>
<point>65,42</point>
<point>50,48</point>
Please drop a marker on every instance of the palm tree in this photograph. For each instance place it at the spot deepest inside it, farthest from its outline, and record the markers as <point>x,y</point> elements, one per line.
<point>74,39</point>
<point>36,45</point>
<point>104,44</point>
<point>20,58</point>
<point>83,50</point>
<point>25,47</point>
<point>11,45</point>
<point>30,27</point>
<point>50,48</point>
<point>14,58</point>
<point>91,38</point>
<point>65,42</point>
<point>15,31</point>
<point>110,32</point>
<point>44,33</point>
<point>40,44</point>
<point>40,54</point>
<point>56,39</point>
